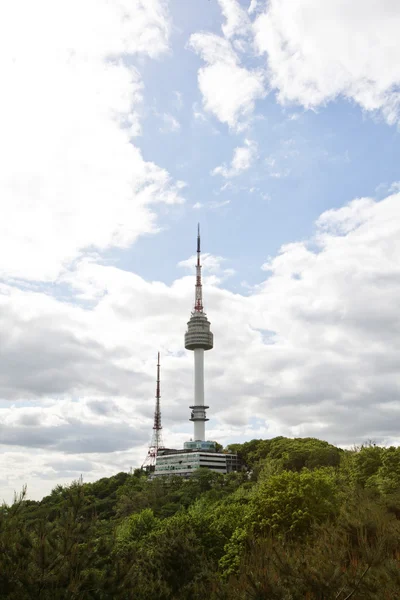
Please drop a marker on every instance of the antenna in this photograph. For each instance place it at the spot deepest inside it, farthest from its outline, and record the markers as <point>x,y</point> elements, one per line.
<point>198,299</point>
<point>156,439</point>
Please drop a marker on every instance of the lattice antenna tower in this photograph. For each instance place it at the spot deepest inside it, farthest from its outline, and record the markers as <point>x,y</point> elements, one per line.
<point>156,439</point>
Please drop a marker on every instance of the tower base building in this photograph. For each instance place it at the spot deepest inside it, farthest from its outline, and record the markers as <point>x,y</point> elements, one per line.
<point>185,462</point>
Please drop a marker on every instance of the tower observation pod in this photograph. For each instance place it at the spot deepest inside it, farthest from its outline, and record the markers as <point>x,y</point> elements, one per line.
<point>198,338</point>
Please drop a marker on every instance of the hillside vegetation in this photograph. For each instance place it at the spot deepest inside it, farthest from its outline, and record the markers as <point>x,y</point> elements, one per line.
<point>306,520</point>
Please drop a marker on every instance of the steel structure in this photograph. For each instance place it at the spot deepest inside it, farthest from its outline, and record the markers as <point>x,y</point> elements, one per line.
<point>198,338</point>
<point>156,439</point>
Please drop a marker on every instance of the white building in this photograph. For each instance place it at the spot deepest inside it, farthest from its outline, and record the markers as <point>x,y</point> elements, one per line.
<point>184,462</point>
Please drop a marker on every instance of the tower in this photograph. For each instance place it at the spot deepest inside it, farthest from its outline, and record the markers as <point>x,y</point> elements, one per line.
<point>198,338</point>
<point>156,439</point>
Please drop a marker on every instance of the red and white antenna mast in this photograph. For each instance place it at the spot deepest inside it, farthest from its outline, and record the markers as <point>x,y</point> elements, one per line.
<point>156,439</point>
<point>198,300</point>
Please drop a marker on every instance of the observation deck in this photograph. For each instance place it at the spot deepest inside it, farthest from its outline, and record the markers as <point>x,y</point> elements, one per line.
<point>198,333</point>
<point>198,412</point>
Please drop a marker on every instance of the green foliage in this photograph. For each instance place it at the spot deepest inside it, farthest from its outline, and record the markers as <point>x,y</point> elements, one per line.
<point>306,521</point>
<point>388,476</point>
<point>286,505</point>
<point>134,529</point>
<point>355,557</point>
<point>289,454</point>
<point>215,522</point>
<point>289,503</point>
<point>308,453</point>
<point>366,463</point>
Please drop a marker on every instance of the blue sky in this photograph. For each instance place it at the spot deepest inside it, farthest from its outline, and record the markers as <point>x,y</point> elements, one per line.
<point>273,124</point>
<point>326,157</point>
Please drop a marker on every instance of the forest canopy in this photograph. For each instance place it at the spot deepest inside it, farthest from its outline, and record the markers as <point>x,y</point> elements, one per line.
<point>302,520</point>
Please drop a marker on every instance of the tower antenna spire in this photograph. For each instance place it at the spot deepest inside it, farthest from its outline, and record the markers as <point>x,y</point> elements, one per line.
<point>198,299</point>
<point>156,439</point>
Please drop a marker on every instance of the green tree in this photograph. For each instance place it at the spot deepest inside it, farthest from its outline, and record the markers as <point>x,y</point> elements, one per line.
<point>288,503</point>
<point>354,557</point>
<point>388,475</point>
<point>134,529</point>
<point>366,462</point>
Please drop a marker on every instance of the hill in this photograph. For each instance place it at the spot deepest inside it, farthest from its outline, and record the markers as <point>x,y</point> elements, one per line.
<point>304,520</point>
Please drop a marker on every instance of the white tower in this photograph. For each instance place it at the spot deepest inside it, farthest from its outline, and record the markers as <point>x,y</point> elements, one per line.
<point>198,338</point>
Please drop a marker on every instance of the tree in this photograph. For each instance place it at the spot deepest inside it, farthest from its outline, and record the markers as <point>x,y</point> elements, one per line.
<point>290,529</point>
<point>366,462</point>
<point>388,474</point>
<point>287,504</point>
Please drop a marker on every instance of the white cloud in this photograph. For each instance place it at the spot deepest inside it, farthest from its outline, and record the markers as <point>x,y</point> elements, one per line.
<point>347,218</point>
<point>274,170</point>
<point>69,108</point>
<point>214,205</point>
<point>198,114</point>
<point>252,7</point>
<point>313,350</point>
<point>319,50</point>
<point>211,265</point>
<point>237,20</point>
<point>178,99</point>
<point>243,158</point>
<point>170,125</point>
<point>229,90</point>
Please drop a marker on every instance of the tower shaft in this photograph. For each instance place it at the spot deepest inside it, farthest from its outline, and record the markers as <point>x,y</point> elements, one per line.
<point>199,376</point>
<point>199,413</point>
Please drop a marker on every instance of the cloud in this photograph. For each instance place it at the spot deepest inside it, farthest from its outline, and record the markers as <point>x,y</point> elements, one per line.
<point>103,407</point>
<point>229,90</point>
<point>49,348</point>
<point>212,267</point>
<point>73,436</point>
<point>170,125</point>
<point>212,205</point>
<point>318,51</point>
<point>236,19</point>
<point>243,157</point>
<point>328,312</point>
<point>274,170</point>
<point>71,104</point>
<point>198,114</point>
<point>311,350</point>
<point>252,7</point>
<point>215,204</point>
<point>71,464</point>
<point>178,100</point>
<point>44,469</point>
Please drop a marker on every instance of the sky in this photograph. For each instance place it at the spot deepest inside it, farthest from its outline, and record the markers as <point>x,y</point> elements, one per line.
<point>124,124</point>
